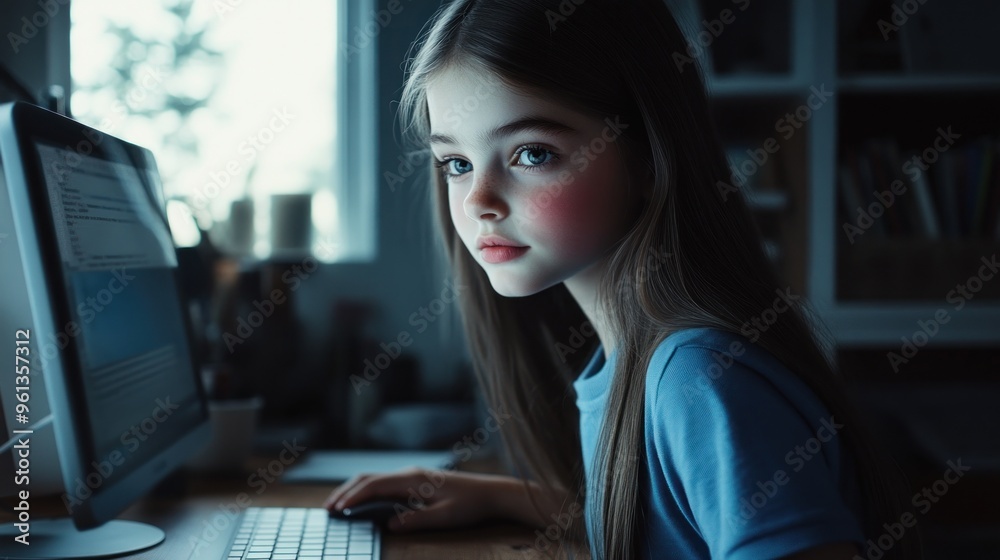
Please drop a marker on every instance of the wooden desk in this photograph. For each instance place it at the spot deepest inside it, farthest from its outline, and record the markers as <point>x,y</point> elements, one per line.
<point>185,504</point>
<point>183,517</point>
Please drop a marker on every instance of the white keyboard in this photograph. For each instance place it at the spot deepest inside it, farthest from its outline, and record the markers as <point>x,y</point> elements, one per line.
<point>277,533</point>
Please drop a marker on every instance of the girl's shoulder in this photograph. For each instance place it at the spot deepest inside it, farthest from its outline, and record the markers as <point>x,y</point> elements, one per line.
<point>712,363</point>
<point>727,425</point>
<point>701,344</point>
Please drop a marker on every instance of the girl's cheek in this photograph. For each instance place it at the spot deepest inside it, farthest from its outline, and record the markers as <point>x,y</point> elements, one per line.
<point>565,215</point>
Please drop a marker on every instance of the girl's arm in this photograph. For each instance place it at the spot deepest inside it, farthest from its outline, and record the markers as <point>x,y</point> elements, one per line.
<point>441,499</point>
<point>511,497</point>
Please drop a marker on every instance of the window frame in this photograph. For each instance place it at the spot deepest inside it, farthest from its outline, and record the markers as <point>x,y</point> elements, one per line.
<point>357,138</point>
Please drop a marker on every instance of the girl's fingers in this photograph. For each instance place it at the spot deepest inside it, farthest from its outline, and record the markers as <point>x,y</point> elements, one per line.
<point>339,491</point>
<point>387,486</point>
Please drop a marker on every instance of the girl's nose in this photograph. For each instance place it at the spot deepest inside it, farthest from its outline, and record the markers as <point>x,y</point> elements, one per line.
<point>484,201</point>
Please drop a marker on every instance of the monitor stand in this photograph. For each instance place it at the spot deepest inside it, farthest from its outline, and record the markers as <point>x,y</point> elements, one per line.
<point>59,538</point>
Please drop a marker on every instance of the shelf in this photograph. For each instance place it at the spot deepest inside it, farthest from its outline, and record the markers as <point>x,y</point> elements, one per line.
<point>875,291</point>
<point>880,323</point>
<point>761,85</point>
<point>914,269</point>
<point>904,83</point>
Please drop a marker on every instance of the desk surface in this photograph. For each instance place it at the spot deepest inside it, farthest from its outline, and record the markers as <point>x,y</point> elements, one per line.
<point>184,518</point>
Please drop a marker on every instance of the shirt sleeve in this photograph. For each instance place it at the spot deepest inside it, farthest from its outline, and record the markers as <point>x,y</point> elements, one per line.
<point>755,474</point>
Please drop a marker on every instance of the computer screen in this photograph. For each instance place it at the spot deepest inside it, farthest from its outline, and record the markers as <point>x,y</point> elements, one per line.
<point>118,265</point>
<point>108,328</point>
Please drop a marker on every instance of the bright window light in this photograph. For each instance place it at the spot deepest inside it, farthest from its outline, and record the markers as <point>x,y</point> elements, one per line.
<point>236,100</point>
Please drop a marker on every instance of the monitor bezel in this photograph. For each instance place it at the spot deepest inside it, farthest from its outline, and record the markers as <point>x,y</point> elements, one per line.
<point>23,127</point>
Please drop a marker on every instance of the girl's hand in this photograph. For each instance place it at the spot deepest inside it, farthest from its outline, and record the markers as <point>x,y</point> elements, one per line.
<point>428,498</point>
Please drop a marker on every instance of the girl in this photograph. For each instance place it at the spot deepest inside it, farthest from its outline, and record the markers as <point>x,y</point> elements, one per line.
<point>662,385</point>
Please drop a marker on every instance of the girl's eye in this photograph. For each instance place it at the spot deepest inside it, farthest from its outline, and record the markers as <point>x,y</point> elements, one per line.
<point>534,156</point>
<point>453,171</point>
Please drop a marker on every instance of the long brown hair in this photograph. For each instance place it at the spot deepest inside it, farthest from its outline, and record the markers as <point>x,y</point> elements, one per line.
<point>614,58</point>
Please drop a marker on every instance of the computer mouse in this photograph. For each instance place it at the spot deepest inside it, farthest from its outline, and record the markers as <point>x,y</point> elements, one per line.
<point>378,511</point>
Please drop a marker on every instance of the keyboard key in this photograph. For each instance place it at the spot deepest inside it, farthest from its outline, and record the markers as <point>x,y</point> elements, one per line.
<point>301,534</point>
<point>337,538</point>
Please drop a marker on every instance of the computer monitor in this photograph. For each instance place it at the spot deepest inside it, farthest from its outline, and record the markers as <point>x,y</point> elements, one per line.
<point>108,333</point>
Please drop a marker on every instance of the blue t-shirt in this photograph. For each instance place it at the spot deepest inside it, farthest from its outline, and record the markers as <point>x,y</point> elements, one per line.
<point>742,458</point>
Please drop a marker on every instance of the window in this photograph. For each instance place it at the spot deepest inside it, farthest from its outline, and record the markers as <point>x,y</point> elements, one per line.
<point>243,105</point>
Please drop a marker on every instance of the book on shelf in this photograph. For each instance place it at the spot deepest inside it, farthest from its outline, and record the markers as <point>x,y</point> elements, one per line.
<point>954,194</point>
<point>982,189</point>
<point>944,174</point>
<point>928,216</point>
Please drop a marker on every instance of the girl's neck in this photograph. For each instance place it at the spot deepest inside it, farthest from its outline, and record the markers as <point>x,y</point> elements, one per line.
<point>583,288</point>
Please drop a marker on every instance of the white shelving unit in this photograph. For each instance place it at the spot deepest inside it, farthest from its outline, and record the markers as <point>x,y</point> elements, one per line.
<point>813,62</point>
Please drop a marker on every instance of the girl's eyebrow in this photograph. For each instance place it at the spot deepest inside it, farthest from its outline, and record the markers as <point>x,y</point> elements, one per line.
<point>531,123</point>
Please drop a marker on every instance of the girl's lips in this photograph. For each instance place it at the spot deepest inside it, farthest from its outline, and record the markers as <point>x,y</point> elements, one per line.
<point>501,253</point>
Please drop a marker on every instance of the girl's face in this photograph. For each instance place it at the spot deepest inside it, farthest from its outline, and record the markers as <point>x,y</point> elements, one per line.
<point>546,179</point>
